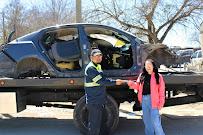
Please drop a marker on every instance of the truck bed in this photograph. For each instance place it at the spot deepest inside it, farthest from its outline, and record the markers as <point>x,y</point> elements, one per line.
<point>41,83</point>
<point>183,78</point>
<point>170,79</point>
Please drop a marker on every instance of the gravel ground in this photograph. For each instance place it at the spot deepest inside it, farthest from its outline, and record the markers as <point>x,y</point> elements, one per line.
<point>176,120</point>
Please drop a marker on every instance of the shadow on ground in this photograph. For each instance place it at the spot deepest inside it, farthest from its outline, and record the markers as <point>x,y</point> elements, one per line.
<point>173,125</point>
<point>37,126</point>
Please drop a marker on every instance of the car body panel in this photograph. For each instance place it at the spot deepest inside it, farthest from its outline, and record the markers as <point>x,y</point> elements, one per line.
<point>31,46</point>
<point>21,50</point>
<point>7,65</point>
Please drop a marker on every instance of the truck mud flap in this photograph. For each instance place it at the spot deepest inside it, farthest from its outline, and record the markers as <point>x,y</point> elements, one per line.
<point>12,102</point>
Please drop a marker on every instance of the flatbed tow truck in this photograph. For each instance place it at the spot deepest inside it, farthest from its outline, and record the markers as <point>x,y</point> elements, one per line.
<point>15,94</point>
<point>35,70</point>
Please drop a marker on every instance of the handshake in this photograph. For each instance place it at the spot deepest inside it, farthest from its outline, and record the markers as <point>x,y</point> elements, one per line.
<point>120,82</point>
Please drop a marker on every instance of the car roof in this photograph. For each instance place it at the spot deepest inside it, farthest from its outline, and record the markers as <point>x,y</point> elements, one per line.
<point>185,50</point>
<point>35,33</point>
<point>198,51</point>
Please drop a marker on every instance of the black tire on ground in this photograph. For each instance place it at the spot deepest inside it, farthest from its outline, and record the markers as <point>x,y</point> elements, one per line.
<point>80,114</point>
<point>200,93</point>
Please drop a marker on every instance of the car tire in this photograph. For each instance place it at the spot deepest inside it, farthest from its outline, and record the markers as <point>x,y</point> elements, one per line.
<point>80,115</point>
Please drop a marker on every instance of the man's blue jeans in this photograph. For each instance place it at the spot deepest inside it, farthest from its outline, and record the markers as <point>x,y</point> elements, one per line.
<point>151,117</point>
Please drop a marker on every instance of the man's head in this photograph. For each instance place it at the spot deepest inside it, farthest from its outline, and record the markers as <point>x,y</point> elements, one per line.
<point>96,56</point>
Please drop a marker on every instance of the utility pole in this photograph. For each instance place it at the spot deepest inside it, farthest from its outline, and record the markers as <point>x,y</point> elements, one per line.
<point>78,11</point>
<point>201,36</point>
<point>3,25</point>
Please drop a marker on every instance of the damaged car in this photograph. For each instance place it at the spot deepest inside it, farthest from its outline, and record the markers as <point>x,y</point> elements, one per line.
<point>63,51</point>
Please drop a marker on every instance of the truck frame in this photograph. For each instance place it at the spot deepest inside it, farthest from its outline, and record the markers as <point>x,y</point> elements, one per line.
<point>46,91</point>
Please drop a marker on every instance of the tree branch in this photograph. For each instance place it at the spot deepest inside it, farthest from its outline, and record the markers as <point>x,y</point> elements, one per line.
<point>173,18</point>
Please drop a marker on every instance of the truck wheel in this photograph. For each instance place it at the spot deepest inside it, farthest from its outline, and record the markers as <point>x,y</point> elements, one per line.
<point>200,93</point>
<point>80,114</point>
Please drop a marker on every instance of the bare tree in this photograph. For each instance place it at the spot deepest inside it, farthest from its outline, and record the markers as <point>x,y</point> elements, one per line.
<point>48,13</point>
<point>150,18</point>
<point>194,37</point>
<point>36,15</point>
<point>60,11</point>
<point>14,17</point>
<point>36,18</point>
<point>2,25</point>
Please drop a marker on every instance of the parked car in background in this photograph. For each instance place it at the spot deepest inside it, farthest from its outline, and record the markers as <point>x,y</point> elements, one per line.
<point>185,56</point>
<point>185,53</point>
<point>196,58</point>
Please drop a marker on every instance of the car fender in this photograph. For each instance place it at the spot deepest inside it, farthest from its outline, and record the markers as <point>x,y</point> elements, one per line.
<point>23,50</point>
<point>20,50</point>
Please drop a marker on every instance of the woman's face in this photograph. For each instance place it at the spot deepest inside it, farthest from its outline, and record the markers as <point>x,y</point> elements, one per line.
<point>149,67</point>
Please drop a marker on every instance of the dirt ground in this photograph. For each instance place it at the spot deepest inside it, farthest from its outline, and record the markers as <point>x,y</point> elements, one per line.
<point>176,120</point>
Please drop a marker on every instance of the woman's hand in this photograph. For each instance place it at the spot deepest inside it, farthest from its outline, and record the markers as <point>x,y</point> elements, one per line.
<point>133,85</point>
<point>130,82</point>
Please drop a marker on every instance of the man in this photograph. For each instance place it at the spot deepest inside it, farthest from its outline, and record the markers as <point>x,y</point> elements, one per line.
<point>95,91</point>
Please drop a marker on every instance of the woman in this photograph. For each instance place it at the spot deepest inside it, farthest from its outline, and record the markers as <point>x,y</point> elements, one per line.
<point>151,94</point>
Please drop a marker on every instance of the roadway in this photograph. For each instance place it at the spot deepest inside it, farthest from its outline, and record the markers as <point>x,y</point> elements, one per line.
<point>176,120</point>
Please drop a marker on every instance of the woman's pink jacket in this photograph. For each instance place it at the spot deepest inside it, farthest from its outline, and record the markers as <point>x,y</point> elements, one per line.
<point>157,90</point>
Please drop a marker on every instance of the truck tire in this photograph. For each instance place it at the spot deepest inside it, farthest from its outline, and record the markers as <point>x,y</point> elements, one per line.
<point>200,93</point>
<point>80,114</point>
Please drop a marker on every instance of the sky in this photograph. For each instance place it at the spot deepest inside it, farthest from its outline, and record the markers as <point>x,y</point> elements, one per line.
<point>178,37</point>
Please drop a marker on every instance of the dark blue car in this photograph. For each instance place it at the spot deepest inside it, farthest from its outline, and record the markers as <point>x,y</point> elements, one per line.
<point>63,51</point>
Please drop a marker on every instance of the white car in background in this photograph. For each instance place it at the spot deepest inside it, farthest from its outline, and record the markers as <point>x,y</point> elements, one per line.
<point>197,59</point>
<point>185,52</point>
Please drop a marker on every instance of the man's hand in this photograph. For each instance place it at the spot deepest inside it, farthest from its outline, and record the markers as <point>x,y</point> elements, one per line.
<point>119,81</point>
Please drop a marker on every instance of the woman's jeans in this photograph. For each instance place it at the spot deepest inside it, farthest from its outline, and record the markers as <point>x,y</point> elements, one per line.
<point>151,117</point>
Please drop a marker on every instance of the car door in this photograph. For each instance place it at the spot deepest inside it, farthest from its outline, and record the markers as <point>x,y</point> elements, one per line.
<point>119,50</point>
<point>62,49</point>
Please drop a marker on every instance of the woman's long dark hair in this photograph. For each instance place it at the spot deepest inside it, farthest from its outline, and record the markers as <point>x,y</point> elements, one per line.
<point>155,70</point>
